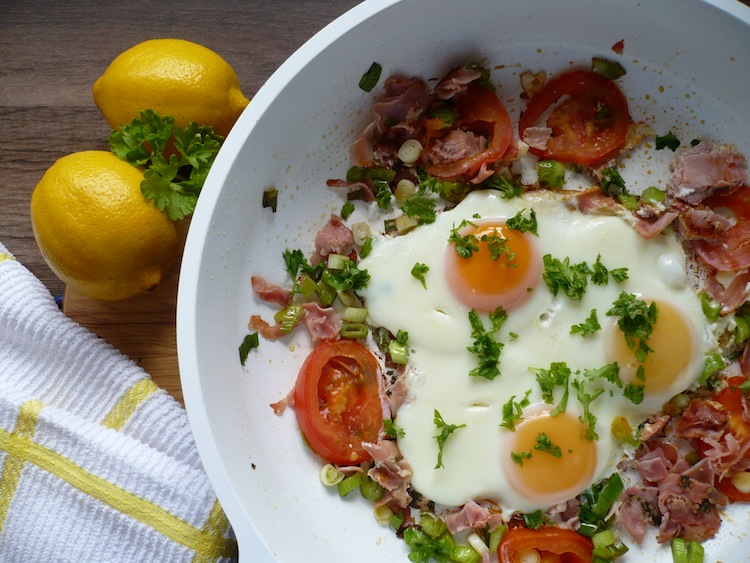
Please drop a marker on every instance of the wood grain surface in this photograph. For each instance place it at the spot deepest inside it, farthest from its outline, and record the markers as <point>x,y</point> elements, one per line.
<point>50,55</point>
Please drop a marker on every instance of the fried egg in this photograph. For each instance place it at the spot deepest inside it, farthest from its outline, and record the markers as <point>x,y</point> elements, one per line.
<point>551,449</point>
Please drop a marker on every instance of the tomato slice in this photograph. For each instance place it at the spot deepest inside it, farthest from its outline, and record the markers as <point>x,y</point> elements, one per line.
<point>590,124</point>
<point>726,486</point>
<point>552,544</point>
<point>732,252</point>
<point>337,401</point>
<point>731,399</point>
<point>480,111</point>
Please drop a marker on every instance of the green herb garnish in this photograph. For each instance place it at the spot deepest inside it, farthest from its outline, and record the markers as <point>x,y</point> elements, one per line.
<point>445,430</point>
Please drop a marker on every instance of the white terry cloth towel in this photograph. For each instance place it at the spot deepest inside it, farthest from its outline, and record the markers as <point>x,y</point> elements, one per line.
<point>97,464</point>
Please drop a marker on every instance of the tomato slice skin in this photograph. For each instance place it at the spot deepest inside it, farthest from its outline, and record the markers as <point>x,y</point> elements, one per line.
<point>589,127</point>
<point>552,544</point>
<point>337,401</point>
<point>479,110</point>
<point>732,252</point>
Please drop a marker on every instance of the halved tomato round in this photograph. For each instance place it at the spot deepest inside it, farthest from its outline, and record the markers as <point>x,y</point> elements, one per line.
<point>479,111</point>
<point>589,124</point>
<point>550,544</point>
<point>337,401</point>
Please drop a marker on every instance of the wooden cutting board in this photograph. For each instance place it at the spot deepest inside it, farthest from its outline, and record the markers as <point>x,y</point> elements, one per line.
<point>142,327</point>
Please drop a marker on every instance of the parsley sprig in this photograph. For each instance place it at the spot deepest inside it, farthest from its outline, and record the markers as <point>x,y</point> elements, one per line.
<point>445,430</point>
<point>636,320</point>
<point>173,182</point>
<point>485,347</point>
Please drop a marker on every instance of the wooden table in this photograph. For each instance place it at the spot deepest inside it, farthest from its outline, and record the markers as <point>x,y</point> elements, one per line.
<point>50,55</point>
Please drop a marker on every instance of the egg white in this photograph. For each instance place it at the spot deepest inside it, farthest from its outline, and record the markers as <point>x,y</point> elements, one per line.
<point>439,334</point>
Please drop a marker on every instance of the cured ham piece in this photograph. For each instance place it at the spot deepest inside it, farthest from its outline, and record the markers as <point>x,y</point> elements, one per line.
<point>731,296</point>
<point>266,330</point>
<point>402,97</point>
<point>471,516</point>
<point>700,170</point>
<point>270,292</point>
<point>390,470</point>
<point>537,137</point>
<point>323,323</point>
<point>455,145</point>
<point>455,82</point>
<point>335,237</point>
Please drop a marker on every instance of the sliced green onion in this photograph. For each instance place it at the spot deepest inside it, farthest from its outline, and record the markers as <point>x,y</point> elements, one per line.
<point>389,226</point>
<point>711,307</point>
<point>610,70</point>
<point>325,292</point>
<point>399,353</point>
<point>679,550</point>
<point>350,483</point>
<point>371,489</point>
<point>495,537</point>
<point>357,174</point>
<point>396,520</point>
<point>354,314</point>
<point>370,78</point>
<point>336,261</point>
<point>477,544</point>
<point>360,233</point>
<point>603,539</point>
<point>348,298</point>
<point>307,286</point>
<point>366,247</point>
<point>629,201</point>
<point>381,174</point>
<point>271,198</point>
<point>410,151</point>
<point>383,514</point>
<point>405,223</point>
<point>713,363</point>
<point>347,209</point>
<point>551,173</point>
<point>608,495</point>
<point>432,525</point>
<point>288,317</point>
<point>464,554</point>
<point>742,332</point>
<point>652,195</point>
<point>404,190</point>
<point>330,475</point>
<point>250,342</point>
<point>353,331</point>
<point>695,552</point>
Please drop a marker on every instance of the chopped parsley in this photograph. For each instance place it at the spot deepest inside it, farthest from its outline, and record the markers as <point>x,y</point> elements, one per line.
<point>522,224</point>
<point>561,275</point>
<point>419,206</point>
<point>418,271</point>
<point>613,183</point>
<point>588,418</point>
<point>558,375</point>
<point>636,320</point>
<point>497,247</point>
<point>392,430</point>
<point>634,393</point>
<point>466,245</point>
<point>545,445</point>
<point>520,457</point>
<point>513,411</point>
<point>485,347</point>
<point>668,141</point>
<point>348,277</point>
<point>610,372</point>
<point>600,274</point>
<point>507,189</point>
<point>445,430</point>
<point>587,327</point>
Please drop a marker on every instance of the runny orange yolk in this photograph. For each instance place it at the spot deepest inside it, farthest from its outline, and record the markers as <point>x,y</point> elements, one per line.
<point>503,272</point>
<point>672,342</point>
<point>544,477</point>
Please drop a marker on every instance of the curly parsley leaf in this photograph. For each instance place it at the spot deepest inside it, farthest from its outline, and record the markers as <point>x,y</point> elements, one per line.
<point>348,277</point>
<point>610,372</point>
<point>173,183</point>
<point>587,327</point>
<point>545,445</point>
<point>668,141</point>
<point>392,430</point>
<point>636,320</point>
<point>522,224</point>
<point>513,411</point>
<point>588,418</point>
<point>485,347</point>
<point>507,189</point>
<point>424,548</point>
<point>464,245</point>
<point>418,271</point>
<point>561,275</point>
<point>421,207</point>
<point>445,430</point>
<point>558,375</point>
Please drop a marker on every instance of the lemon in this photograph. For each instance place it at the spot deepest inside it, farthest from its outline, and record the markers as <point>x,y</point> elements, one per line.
<point>174,78</point>
<point>95,229</point>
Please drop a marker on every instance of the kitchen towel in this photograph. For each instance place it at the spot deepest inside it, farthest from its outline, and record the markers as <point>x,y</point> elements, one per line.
<point>97,464</point>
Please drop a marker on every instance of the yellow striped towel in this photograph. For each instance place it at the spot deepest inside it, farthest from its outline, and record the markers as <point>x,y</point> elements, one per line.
<point>97,464</point>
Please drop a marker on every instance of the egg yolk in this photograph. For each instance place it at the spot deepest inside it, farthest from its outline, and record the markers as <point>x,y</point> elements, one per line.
<point>553,460</point>
<point>502,272</point>
<point>672,342</point>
